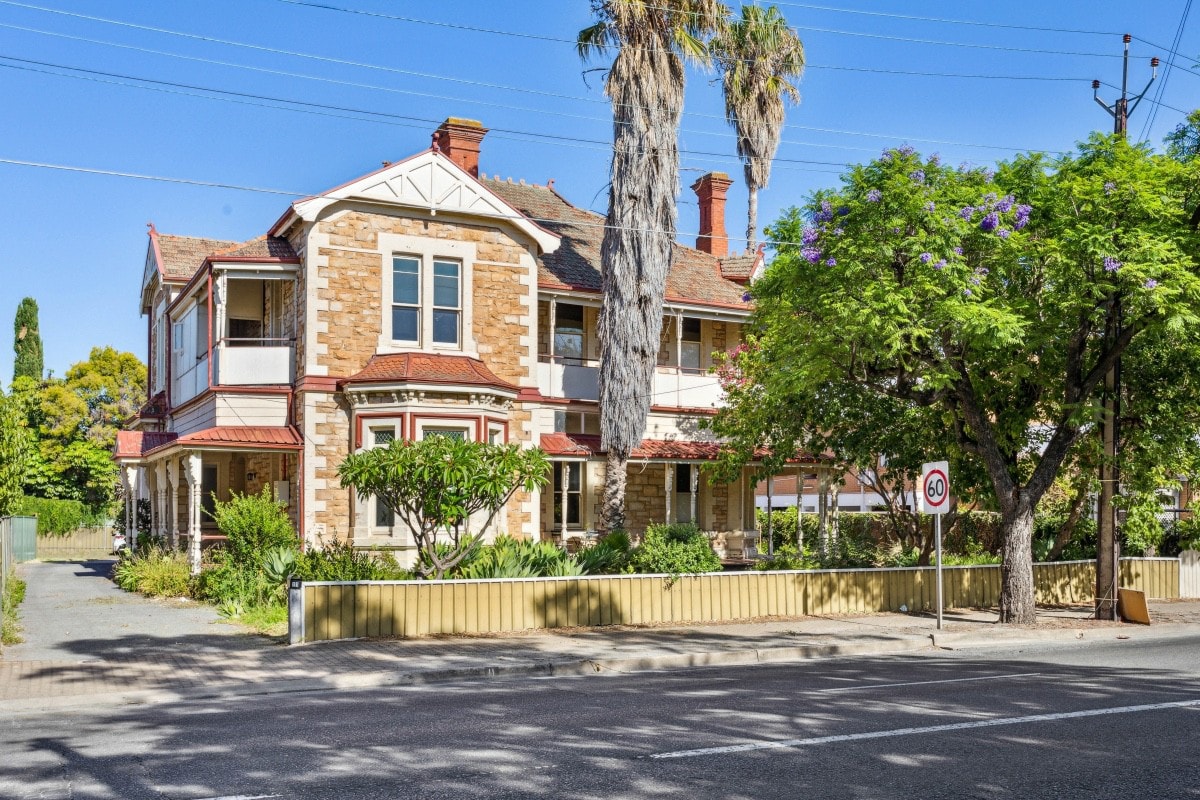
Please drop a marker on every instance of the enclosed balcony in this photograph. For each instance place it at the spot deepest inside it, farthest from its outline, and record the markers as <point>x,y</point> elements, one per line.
<point>236,330</point>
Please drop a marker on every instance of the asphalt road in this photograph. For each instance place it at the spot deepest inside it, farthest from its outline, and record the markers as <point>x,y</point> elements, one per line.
<point>1117,719</point>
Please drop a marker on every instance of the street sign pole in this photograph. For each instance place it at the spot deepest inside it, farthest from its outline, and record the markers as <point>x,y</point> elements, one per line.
<point>935,499</point>
<point>937,541</point>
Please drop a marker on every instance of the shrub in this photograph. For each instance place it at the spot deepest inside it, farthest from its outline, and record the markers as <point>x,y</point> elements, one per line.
<point>253,524</point>
<point>674,549</point>
<point>59,517</point>
<point>609,556</point>
<point>507,557</point>
<point>154,573</point>
<point>339,561</point>
<point>14,595</point>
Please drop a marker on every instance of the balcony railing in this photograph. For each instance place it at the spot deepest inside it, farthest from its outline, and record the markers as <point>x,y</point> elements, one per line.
<point>241,362</point>
<point>578,379</point>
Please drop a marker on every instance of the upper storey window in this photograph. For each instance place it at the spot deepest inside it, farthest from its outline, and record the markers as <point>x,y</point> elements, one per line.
<point>426,301</point>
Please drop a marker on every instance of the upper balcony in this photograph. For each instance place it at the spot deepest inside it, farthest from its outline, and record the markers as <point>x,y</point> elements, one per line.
<point>578,379</point>
<point>233,331</point>
<point>568,347</point>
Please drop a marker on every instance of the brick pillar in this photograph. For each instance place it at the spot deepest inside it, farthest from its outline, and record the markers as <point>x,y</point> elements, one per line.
<point>710,191</point>
<point>458,140</point>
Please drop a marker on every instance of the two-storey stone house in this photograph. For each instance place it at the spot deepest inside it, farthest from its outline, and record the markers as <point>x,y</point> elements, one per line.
<point>421,299</point>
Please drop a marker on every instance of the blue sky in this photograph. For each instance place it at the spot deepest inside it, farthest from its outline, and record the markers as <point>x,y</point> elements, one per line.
<point>378,76</point>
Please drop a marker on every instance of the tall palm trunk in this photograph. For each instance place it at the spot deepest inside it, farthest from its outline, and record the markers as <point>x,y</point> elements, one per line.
<point>646,88</point>
<point>751,213</point>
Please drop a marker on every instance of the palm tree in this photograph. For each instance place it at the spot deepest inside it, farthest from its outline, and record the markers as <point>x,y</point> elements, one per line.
<point>645,84</point>
<point>760,58</point>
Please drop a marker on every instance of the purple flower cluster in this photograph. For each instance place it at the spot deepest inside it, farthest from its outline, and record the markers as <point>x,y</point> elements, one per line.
<point>958,251</point>
<point>1004,233</point>
<point>831,262</point>
<point>843,211</point>
<point>905,150</point>
<point>940,264</point>
<point>917,176</point>
<point>1111,264</point>
<point>966,212</point>
<point>1150,283</point>
<point>990,222</point>
<point>1005,203</point>
<point>926,257</point>
<point>810,236</point>
<point>1109,187</point>
<point>931,206</point>
<point>745,297</point>
<point>838,231</point>
<point>874,196</point>
<point>1022,216</point>
<point>935,160</point>
<point>811,254</point>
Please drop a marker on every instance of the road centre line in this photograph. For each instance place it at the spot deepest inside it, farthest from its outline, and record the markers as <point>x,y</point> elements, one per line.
<point>923,683</point>
<point>957,726</point>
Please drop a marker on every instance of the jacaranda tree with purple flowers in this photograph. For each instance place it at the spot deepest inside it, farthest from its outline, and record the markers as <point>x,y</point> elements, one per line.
<point>994,303</point>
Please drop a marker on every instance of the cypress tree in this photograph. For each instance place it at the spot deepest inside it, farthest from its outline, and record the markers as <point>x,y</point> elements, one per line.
<point>27,341</point>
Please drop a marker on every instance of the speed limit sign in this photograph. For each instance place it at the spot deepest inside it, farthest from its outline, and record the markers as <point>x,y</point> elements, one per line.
<point>935,487</point>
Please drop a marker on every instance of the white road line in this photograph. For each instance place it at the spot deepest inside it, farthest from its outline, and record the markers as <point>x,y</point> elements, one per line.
<point>864,686</point>
<point>957,726</point>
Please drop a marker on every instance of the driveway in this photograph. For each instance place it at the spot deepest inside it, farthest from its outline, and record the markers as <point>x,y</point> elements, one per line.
<point>74,612</point>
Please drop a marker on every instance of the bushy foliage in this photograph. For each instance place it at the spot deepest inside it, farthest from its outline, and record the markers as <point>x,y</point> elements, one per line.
<point>154,572</point>
<point>437,485</point>
<point>508,557</point>
<point>1187,529</point>
<point>59,517</point>
<point>609,556</point>
<point>1142,529</point>
<point>337,560</point>
<point>253,524</point>
<point>676,549</point>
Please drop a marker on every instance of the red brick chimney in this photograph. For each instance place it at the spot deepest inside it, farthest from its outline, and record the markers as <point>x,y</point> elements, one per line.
<point>459,139</point>
<point>710,190</point>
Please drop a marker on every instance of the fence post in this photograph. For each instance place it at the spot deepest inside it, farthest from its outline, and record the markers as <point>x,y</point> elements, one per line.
<point>295,611</point>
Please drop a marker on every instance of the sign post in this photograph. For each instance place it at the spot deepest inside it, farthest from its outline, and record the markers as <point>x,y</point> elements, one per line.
<point>935,499</point>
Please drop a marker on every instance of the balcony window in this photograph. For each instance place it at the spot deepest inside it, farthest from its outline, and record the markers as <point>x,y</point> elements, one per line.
<point>383,516</point>
<point>568,332</point>
<point>689,346</point>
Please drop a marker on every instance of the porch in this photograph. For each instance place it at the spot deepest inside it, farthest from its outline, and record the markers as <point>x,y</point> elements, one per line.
<point>665,484</point>
<point>183,478</point>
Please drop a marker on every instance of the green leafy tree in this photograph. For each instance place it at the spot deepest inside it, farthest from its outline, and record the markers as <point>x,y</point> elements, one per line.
<point>27,341</point>
<point>74,421</point>
<point>645,84</point>
<point>446,491</point>
<point>14,453</point>
<point>998,302</point>
<point>760,58</point>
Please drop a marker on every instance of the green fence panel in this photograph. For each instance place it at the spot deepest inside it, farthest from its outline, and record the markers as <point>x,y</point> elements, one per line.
<point>24,538</point>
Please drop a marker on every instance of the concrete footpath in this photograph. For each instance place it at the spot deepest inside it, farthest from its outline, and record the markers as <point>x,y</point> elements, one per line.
<point>88,643</point>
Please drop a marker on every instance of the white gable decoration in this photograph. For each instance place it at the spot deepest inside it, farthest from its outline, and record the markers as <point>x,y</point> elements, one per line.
<point>432,183</point>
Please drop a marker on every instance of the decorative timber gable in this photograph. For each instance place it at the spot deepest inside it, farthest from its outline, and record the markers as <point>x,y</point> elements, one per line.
<point>431,183</point>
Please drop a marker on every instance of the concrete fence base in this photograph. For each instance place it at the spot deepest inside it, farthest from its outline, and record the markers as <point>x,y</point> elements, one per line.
<point>344,610</point>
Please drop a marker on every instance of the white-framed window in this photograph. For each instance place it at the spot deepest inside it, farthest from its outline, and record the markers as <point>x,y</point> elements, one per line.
<point>427,294</point>
<point>689,345</point>
<point>568,332</point>
<point>406,299</point>
<point>448,431</point>
<point>568,487</point>
<point>380,515</point>
<point>447,302</point>
<point>427,301</point>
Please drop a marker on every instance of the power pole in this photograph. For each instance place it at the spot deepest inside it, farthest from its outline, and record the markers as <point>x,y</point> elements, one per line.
<point>1107,544</point>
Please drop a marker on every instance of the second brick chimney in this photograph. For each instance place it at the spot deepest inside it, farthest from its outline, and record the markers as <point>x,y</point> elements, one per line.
<point>710,190</point>
<point>458,139</point>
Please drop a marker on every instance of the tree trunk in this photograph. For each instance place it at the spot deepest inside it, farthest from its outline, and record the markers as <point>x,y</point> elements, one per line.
<point>612,506</point>
<point>1016,566</point>
<point>752,218</point>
